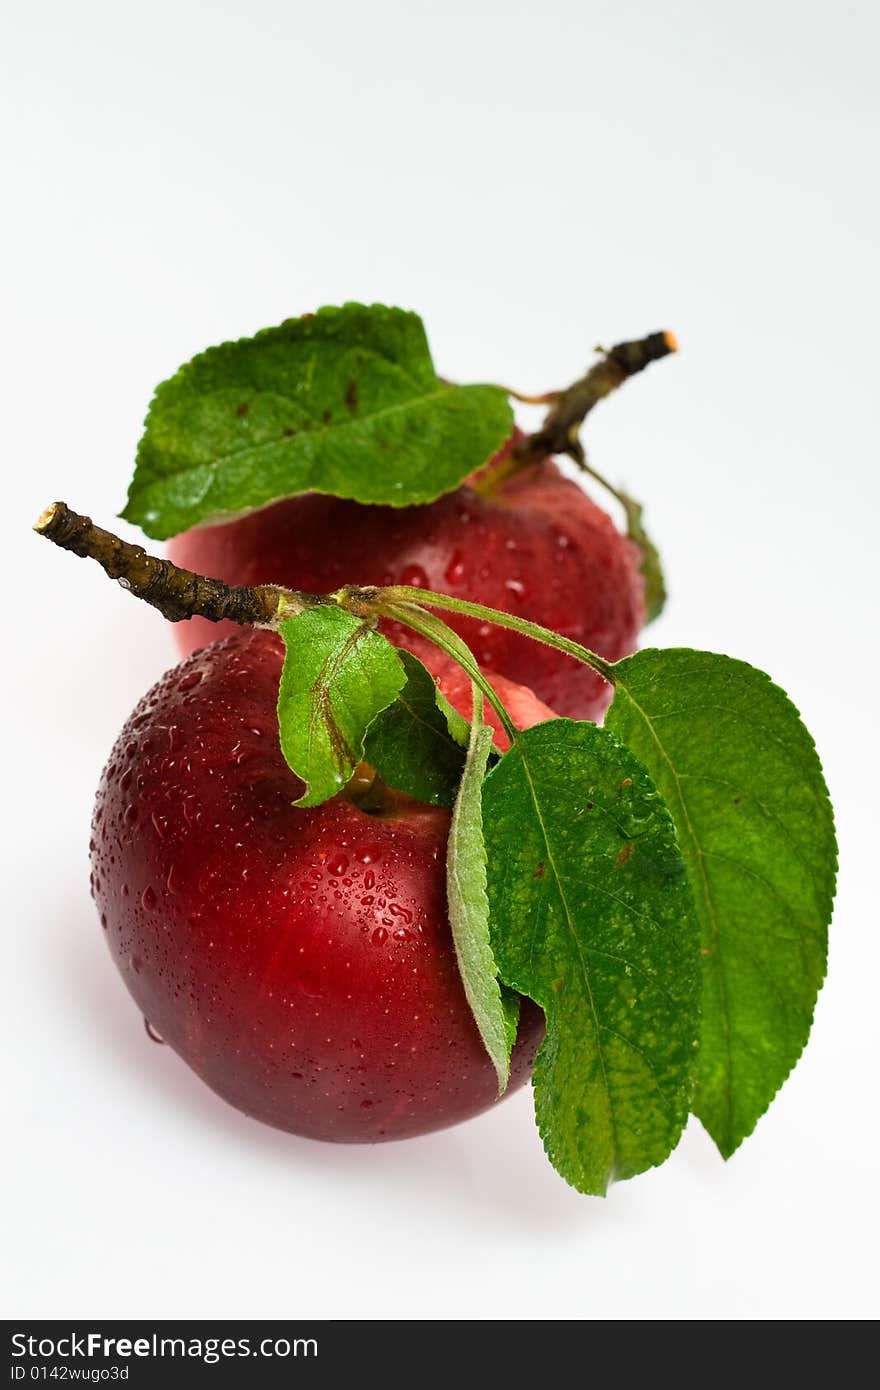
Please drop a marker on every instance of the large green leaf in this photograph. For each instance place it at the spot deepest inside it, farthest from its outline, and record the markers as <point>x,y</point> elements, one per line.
<point>592,917</point>
<point>338,674</point>
<point>345,401</point>
<point>741,777</point>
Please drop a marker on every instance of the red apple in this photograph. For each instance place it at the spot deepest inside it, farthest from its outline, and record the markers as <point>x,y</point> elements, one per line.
<point>536,546</point>
<point>300,961</point>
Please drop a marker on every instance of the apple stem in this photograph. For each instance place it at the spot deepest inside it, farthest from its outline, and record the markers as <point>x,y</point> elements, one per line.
<point>569,408</point>
<point>389,601</point>
<point>177,593</point>
<point>180,593</point>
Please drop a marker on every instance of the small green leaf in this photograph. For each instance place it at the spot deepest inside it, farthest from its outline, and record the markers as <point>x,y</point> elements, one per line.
<point>469,906</point>
<point>591,916</point>
<point>345,401</point>
<point>417,744</point>
<point>741,777</point>
<point>650,566</point>
<point>338,675</point>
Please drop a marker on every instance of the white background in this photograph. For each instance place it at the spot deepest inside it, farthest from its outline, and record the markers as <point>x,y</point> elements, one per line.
<point>534,179</point>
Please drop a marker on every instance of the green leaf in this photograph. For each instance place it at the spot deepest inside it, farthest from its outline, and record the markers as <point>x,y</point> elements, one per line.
<point>345,401</point>
<point>417,744</point>
<point>742,779</point>
<point>510,1005</point>
<point>469,905</point>
<point>592,917</point>
<point>338,674</point>
<point>650,565</point>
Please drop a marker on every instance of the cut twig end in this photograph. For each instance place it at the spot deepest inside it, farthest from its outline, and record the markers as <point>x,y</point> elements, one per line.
<point>46,517</point>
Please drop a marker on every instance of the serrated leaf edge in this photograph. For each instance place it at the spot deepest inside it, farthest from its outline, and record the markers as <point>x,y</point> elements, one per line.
<point>726,1144</point>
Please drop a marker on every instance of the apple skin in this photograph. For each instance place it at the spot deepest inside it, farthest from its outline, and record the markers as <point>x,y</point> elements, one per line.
<point>299,960</point>
<point>536,546</point>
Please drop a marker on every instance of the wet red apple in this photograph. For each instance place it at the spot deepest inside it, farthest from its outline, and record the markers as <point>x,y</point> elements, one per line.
<point>300,961</point>
<point>534,544</point>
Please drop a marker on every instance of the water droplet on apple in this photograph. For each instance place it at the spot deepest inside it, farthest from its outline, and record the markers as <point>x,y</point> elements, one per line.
<point>174,881</point>
<point>306,982</point>
<point>189,681</point>
<point>148,898</point>
<point>455,570</point>
<point>368,854</point>
<point>369,879</point>
<point>379,936</point>
<point>336,867</point>
<point>136,964</point>
<point>414,576</point>
<point>516,587</point>
<point>153,1034</point>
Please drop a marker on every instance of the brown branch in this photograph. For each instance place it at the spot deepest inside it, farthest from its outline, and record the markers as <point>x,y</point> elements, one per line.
<point>559,433</point>
<point>177,593</point>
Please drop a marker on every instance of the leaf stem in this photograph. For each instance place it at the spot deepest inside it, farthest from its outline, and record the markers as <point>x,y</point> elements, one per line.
<point>428,625</point>
<point>398,594</point>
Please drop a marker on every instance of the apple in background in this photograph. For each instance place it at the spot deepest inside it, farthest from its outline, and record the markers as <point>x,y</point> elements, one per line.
<point>533,544</point>
<point>299,960</point>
